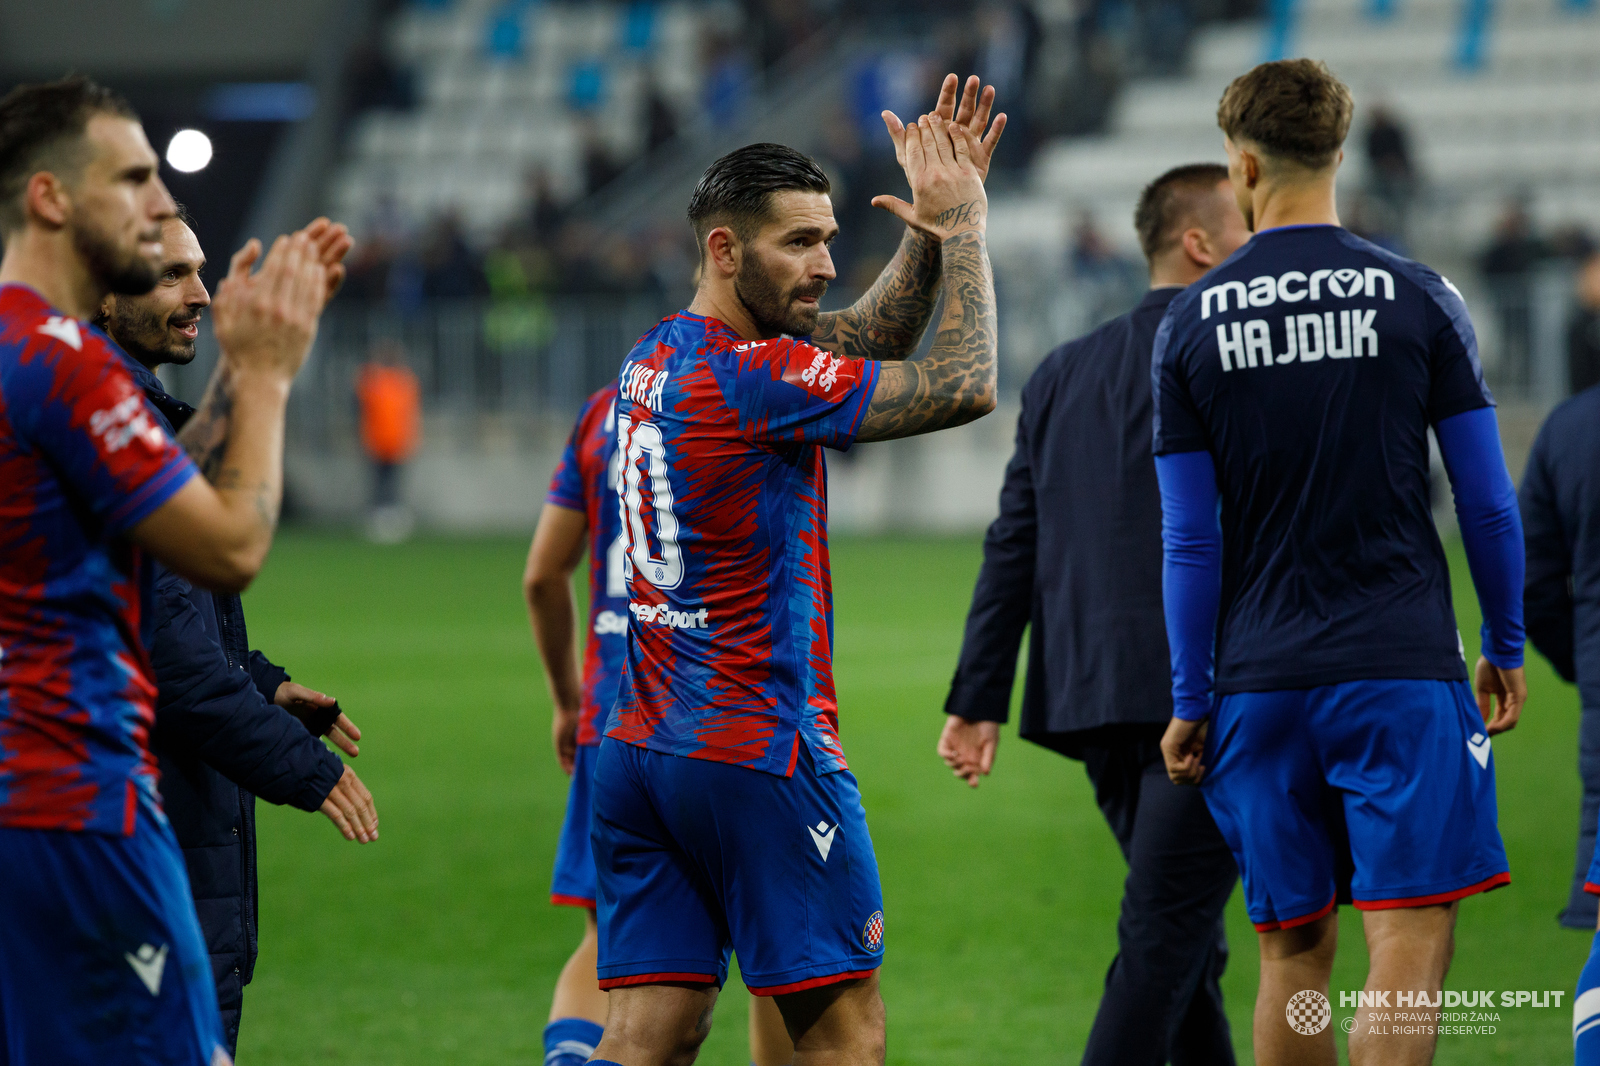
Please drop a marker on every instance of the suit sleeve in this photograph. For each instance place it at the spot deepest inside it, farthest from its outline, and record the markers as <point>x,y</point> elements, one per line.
<point>216,712</point>
<point>1547,604</point>
<point>1003,599</point>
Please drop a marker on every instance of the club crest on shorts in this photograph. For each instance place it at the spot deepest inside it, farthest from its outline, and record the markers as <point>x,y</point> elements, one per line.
<point>872,934</point>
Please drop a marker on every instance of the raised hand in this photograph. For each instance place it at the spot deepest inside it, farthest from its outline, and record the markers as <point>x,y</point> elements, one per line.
<point>265,321</point>
<point>972,113</point>
<point>946,188</point>
<point>333,242</point>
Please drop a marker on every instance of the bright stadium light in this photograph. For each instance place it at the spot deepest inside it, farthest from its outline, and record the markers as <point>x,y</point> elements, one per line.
<point>189,151</point>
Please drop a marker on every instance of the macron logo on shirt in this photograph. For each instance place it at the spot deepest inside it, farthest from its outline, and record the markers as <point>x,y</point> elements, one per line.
<point>1307,338</point>
<point>64,330</point>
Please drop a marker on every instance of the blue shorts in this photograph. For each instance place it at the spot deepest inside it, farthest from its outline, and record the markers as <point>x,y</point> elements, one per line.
<point>101,958</point>
<point>1395,777</point>
<point>696,858</point>
<point>1591,880</point>
<point>573,883</point>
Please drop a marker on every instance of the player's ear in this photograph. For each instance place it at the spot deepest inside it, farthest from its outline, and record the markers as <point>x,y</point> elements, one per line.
<point>46,197</point>
<point>722,251</point>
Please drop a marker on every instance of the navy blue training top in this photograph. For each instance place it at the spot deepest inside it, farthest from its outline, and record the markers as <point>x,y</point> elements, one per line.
<point>1310,365</point>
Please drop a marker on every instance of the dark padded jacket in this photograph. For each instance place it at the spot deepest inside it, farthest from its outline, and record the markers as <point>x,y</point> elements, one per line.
<point>221,742</point>
<point>1560,500</point>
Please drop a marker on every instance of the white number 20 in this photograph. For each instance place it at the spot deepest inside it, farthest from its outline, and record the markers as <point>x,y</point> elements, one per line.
<point>642,443</point>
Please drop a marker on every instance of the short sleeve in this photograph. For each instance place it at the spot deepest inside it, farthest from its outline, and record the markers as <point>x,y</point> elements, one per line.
<point>788,391</point>
<point>1455,382</point>
<point>88,416</point>
<point>1175,420</point>
<point>566,484</point>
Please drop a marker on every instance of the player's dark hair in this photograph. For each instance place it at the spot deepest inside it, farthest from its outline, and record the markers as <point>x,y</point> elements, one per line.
<point>736,191</point>
<point>1293,109</point>
<point>1182,197</point>
<point>42,128</point>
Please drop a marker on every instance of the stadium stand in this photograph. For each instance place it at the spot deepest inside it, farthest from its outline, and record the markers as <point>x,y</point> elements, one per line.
<point>510,89</point>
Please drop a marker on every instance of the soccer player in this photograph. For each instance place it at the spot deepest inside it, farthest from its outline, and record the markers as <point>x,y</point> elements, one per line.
<point>1319,689</point>
<point>101,958</point>
<point>580,513</point>
<point>230,725</point>
<point>724,814</point>
<point>1086,582</point>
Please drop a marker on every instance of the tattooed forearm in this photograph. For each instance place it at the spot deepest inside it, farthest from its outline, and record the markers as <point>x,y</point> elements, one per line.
<point>887,323</point>
<point>955,382</point>
<point>205,437</point>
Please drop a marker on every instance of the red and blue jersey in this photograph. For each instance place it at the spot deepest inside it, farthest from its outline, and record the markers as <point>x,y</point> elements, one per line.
<point>586,481</point>
<point>83,459</point>
<point>723,495</point>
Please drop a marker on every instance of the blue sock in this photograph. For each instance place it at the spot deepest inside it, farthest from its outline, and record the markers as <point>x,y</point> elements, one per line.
<point>570,1041</point>
<point>1586,1011</point>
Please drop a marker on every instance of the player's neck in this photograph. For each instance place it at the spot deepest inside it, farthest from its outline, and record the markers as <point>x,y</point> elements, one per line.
<point>48,265</point>
<point>723,304</point>
<point>1300,204</point>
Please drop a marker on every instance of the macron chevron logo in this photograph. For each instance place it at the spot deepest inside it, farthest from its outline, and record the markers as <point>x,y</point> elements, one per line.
<point>149,964</point>
<point>824,841</point>
<point>1478,744</point>
<point>64,330</point>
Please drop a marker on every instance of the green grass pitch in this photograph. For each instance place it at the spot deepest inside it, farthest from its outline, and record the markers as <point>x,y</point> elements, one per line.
<point>437,943</point>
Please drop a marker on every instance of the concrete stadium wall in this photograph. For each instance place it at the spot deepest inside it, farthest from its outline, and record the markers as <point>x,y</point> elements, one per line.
<point>946,482</point>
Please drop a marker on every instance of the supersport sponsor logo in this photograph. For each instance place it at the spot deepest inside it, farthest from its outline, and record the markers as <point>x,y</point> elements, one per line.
<point>125,422</point>
<point>610,623</point>
<point>662,615</point>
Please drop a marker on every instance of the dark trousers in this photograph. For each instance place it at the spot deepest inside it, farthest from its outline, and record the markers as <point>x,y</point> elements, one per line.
<point>1581,906</point>
<point>1163,997</point>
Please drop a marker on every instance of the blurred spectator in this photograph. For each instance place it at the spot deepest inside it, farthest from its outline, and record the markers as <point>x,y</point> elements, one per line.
<point>730,79</point>
<point>391,426</point>
<point>450,268</point>
<point>1507,265</point>
<point>1009,35</point>
<point>1392,174</point>
<point>600,168</point>
<point>1583,332</point>
<point>1110,282</point>
<point>661,120</point>
<point>1367,217</point>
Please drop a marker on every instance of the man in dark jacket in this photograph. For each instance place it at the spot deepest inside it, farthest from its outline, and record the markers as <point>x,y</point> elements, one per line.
<point>1560,500</point>
<point>230,725</point>
<point>1076,555</point>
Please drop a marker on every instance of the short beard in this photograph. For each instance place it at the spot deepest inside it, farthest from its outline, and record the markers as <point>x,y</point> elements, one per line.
<point>119,272</point>
<point>127,326</point>
<point>771,310</point>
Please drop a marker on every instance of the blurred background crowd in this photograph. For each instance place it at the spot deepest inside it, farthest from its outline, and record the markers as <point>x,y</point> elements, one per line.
<point>516,171</point>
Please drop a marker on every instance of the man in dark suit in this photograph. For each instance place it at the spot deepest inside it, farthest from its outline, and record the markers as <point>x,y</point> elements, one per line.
<point>1076,554</point>
<point>1560,500</point>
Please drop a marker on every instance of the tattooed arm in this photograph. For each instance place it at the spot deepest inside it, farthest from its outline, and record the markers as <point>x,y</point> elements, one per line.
<point>887,323</point>
<point>955,382</point>
<point>216,530</point>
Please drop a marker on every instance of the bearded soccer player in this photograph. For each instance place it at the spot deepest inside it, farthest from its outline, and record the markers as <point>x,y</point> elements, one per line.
<point>101,957</point>
<point>725,816</point>
<point>230,724</point>
<point>580,514</point>
<point>1319,688</point>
